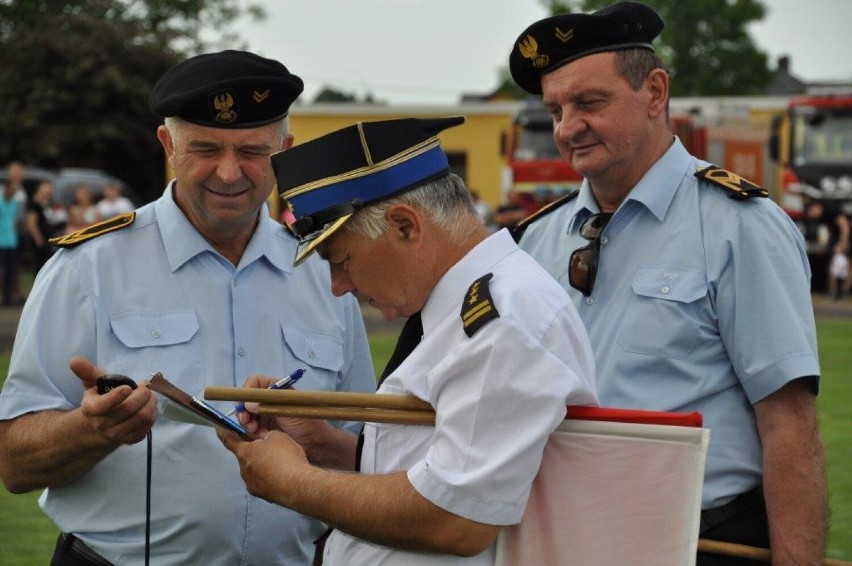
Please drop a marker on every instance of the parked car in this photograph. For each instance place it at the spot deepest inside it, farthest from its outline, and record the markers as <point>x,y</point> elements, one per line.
<point>68,179</point>
<point>32,177</point>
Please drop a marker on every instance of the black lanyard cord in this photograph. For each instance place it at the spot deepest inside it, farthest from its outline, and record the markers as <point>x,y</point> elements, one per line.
<point>148,503</point>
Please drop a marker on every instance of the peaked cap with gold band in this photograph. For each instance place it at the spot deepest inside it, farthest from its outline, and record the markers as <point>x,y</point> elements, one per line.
<point>556,41</point>
<point>229,89</point>
<point>326,180</point>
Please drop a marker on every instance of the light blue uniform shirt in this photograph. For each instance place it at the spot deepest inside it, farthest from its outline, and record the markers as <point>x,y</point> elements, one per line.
<point>701,303</point>
<point>153,297</point>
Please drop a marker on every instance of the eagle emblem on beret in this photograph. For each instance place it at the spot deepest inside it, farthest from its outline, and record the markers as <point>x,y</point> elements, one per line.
<point>223,102</point>
<point>528,47</point>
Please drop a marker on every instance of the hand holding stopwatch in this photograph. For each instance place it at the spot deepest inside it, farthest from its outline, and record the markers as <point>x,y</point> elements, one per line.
<point>107,383</point>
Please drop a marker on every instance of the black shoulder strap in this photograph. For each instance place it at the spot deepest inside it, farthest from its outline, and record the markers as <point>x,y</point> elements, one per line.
<point>740,188</point>
<point>518,229</point>
<point>478,308</point>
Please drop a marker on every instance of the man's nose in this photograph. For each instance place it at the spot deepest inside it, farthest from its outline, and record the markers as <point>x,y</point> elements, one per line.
<point>228,169</point>
<point>340,282</point>
<point>569,126</point>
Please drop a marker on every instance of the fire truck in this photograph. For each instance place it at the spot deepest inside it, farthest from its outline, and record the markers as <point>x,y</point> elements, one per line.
<point>535,169</point>
<point>811,143</point>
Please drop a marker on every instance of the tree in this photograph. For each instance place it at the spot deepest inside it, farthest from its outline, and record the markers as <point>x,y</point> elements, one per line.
<point>331,94</point>
<point>76,76</point>
<point>705,44</point>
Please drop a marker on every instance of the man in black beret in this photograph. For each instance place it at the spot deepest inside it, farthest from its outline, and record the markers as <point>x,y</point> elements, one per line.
<point>693,300</point>
<point>198,285</point>
<point>492,343</point>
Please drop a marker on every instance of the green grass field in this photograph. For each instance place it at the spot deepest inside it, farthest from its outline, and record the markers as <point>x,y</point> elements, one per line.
<point>27,536</point>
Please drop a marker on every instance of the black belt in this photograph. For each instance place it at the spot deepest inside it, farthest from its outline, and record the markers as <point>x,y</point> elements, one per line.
<point>712,517</point>
<point>71,551</point>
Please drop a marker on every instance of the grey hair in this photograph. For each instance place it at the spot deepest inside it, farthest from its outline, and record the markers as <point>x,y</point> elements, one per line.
<point>634,65</point>
<point>173,123</point>
<point>445,201</point>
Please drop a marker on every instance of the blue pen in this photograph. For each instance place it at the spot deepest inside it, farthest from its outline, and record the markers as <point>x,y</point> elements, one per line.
<point>285,383</point>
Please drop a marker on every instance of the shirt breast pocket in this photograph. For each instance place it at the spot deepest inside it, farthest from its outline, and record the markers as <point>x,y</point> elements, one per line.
<point>320,354</point>
<point>158,341</point>
<point>663,316</point>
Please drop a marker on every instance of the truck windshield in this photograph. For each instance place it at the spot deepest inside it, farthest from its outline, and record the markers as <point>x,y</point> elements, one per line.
<point>821,136</point>
<point>535,143</point>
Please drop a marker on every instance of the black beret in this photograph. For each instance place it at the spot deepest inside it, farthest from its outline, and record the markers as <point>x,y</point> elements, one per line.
<point>553,42</point>
<point>326,180</point>
<point>229,89</point>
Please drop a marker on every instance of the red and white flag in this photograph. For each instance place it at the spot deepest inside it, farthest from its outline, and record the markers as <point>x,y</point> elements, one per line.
<point>613,493</point>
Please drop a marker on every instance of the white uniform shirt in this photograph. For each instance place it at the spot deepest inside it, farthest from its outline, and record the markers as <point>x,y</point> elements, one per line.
<point>498,395</point>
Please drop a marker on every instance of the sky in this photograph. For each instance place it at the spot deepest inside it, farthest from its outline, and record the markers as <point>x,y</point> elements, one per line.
<point>432,51</point>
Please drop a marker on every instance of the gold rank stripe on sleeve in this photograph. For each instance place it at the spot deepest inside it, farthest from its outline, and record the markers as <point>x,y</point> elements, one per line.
<point>478,308</point>
<point>476,312</point>
<point>740,187</point>
<point>95,230</point>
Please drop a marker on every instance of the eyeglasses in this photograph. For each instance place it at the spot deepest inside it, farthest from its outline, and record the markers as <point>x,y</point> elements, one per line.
<point>583,265</point>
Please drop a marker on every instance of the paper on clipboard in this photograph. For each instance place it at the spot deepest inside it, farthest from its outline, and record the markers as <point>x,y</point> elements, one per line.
<point>184,407</point>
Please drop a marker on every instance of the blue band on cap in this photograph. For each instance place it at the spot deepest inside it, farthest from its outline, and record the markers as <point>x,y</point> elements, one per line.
<point>372,186</point>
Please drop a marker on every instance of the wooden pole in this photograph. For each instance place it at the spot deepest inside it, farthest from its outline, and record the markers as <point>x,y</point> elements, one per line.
<point>750,552</point>
<point>398,416</point>
<point>317,398</point>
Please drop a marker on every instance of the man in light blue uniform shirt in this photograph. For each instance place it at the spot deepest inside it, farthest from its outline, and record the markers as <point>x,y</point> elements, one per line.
<point>198,285</point>
<point>693,301</point>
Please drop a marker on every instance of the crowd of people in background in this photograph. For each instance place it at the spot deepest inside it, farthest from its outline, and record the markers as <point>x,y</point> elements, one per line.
<point>29,220</point>
<point>828,240</point>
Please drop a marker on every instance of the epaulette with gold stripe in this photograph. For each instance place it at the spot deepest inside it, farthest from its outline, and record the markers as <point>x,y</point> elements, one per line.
<point>478,308</point>
<point>739,187</point>
<point>95,230</point>
<point>518,229</point>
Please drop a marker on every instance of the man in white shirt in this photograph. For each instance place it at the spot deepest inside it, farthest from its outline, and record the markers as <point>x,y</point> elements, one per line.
<point>502,352</point>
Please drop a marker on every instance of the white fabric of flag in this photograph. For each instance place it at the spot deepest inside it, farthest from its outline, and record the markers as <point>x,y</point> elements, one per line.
<point>612,493</point>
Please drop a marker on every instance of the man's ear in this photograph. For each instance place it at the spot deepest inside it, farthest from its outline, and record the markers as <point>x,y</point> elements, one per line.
<point>406,223</point>
<point>658,86</point>
<point>287,143</point>
<point>168,144</point>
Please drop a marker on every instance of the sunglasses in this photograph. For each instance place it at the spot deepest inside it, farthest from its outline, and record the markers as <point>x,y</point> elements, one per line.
<point>583,265</point>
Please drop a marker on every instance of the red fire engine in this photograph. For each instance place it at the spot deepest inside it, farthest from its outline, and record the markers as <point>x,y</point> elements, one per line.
<point>811,143</point>
<point>535,168</point>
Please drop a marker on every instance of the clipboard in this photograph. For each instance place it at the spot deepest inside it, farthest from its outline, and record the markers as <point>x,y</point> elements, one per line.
<point>197,407</point>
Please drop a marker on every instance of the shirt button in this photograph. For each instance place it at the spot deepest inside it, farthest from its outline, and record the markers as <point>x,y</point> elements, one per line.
<point>589,300</point>
<point>312,354</point>
<point>604,240</point>
<point>155,334</point>
<point>241,352</point>
<point>665,289</point>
